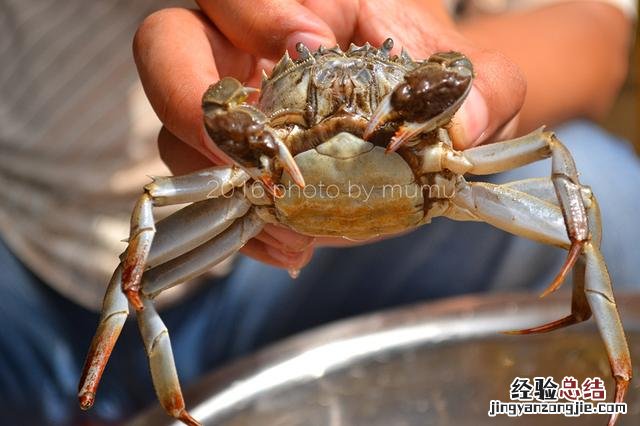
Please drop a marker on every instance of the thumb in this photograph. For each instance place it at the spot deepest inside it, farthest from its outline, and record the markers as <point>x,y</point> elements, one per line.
<point>266,28</point>
<point>494,101</point>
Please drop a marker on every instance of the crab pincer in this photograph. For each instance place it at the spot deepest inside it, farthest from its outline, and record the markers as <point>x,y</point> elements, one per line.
<point>242,132</point>
<point>426,100</point>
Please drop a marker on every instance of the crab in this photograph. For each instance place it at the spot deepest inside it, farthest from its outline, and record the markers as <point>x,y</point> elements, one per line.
<point>335,121</point>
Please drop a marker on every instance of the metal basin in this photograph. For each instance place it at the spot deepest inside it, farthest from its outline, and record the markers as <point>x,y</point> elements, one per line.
<point>432,364</point>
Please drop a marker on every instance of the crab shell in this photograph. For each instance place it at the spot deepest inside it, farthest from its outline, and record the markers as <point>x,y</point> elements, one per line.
<point>353,188</point>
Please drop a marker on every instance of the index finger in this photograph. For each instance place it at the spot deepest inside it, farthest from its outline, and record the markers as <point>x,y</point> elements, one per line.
<point>175,51</point>
<point>268,27</point>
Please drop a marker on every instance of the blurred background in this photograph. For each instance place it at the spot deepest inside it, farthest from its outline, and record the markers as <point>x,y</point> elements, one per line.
<point>624,118</point>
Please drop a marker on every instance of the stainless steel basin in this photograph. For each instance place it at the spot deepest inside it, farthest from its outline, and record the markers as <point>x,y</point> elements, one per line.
<point>432,364</point>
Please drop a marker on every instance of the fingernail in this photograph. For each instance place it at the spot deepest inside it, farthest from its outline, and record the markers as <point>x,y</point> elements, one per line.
<point>311,40</point>
<point>472,119</point>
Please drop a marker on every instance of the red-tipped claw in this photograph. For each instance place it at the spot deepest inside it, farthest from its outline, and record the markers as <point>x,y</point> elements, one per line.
<point>572,257</point>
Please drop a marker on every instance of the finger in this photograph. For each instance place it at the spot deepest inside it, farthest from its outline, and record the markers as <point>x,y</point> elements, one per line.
<point>499,86</point>
<point>257,250</point>
<point>265,253</point>
<point>267,27</point>
<point>173,52</point>
<point>413,25</point>
<point>291,240</point>
<point>340,15</point>
<point>180,157</point>
<point>285,246</point>
<point>292,261</point>
<point>494,101</point>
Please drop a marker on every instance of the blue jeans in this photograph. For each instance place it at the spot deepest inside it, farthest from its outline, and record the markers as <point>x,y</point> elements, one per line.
<point>44,337</point>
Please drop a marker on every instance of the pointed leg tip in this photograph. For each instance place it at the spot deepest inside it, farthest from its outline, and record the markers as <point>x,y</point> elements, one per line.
<point>545,328</point>
<point>621,389</point>
<point>295,174</point>
<point>134,298</point>
<point>514,332</point>
<point>622,385</point>
<point>187,419</point>
<point>86,400</point>
<point>555,284</point>
<point>548,291</point>
<point>572,257</point>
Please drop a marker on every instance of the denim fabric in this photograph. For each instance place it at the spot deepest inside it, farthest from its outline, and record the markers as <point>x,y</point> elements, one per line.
<point>44,337</point>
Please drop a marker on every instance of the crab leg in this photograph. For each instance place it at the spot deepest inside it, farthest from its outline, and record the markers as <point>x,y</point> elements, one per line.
<point>513,211</point>
<point>600,296</point>
<point>201,258</point>
<point>115,310</point>
<point>162,365</point>
<point>206,218</point>
<point>522,214</point>
<point>543,189</point>
<point>580,310</point>
<point>154,332</point>
<point>140,238</point>
<point>498,157</point>
<point>202,185</point>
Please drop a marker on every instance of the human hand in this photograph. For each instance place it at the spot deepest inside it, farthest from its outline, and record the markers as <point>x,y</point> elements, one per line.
<point>179,53</point>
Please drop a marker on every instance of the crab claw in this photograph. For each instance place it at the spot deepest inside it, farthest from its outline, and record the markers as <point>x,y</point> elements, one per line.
<point>243,133</point>
<point>427,99</point>
<point>572,257</point>
<point>379,117</point>
<point>289,164</point>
